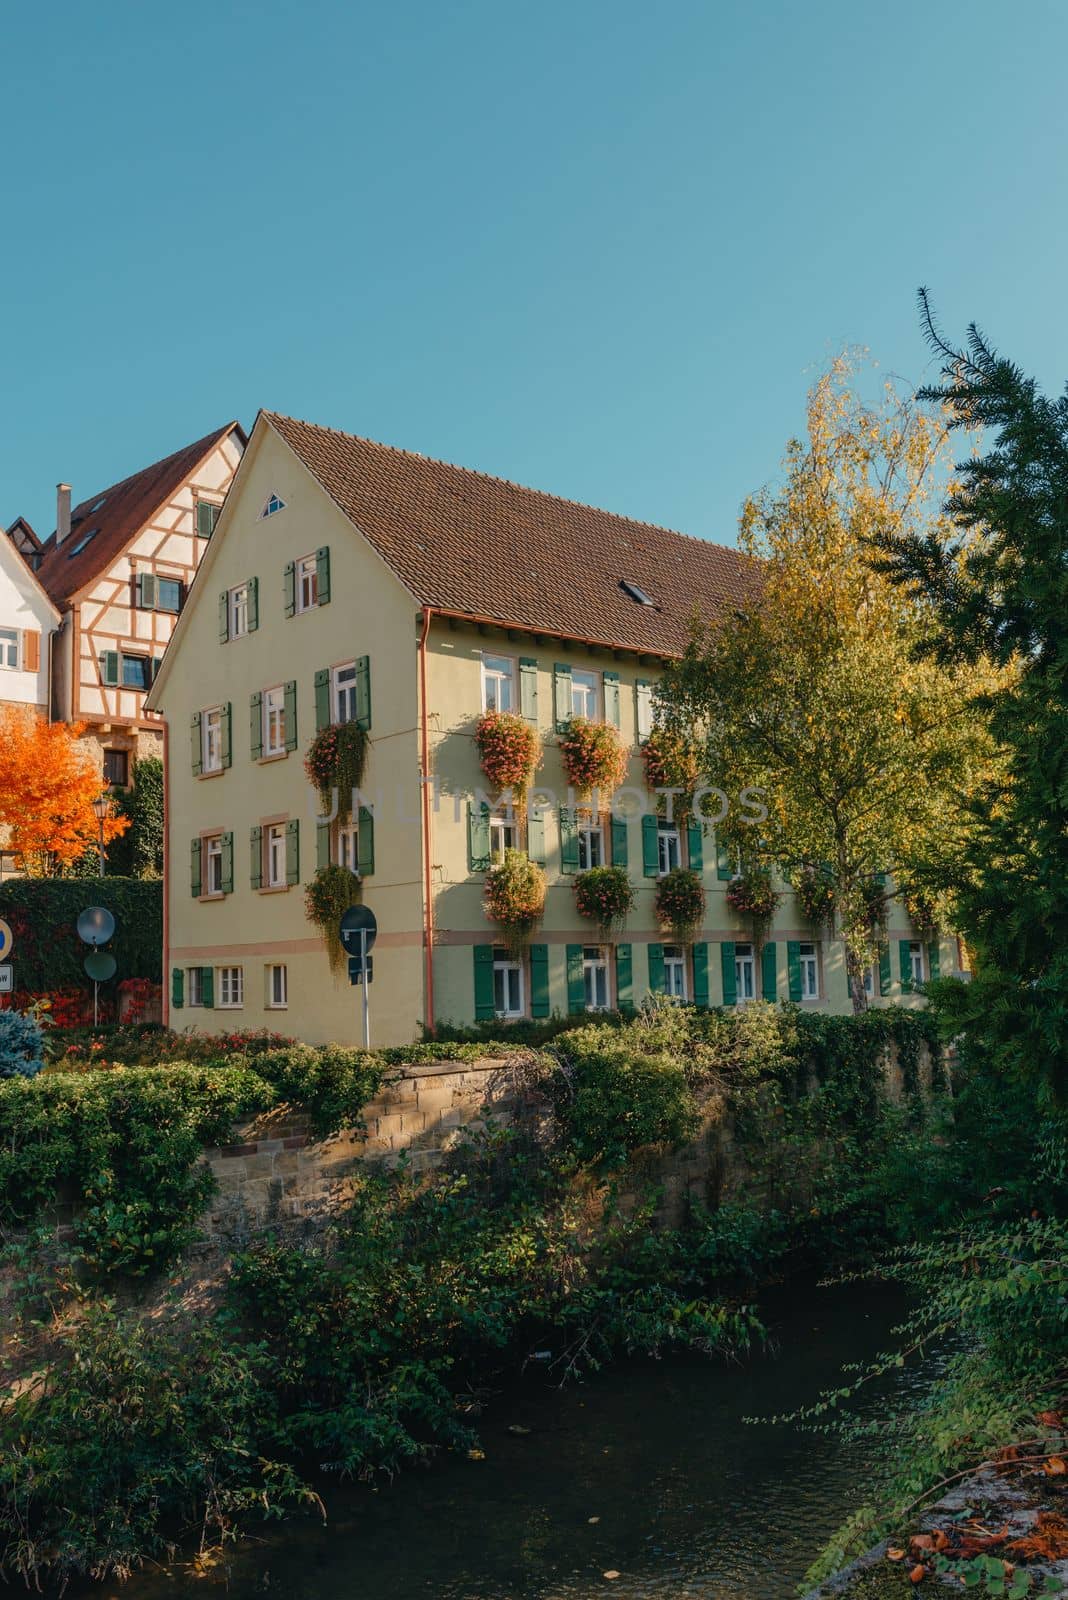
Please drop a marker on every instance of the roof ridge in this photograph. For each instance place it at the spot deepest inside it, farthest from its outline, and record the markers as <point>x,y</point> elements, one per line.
<point>508,483</point>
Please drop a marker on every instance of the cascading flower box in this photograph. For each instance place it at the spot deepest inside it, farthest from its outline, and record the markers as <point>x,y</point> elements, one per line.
<point>515,898</point>
<point>593,756</point>
<point>604,895</point>
<point>335,761</point>
<point>680,903</point>
<point>750,893</point>
<point>921,912</point>
<point>815,890</point>
<point>671,763</point>
<point>329,894</point>
<point>509,749</point>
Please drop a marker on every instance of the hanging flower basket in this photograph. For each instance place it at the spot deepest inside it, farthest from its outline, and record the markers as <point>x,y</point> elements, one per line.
<point>593,756</point>
<point>509,749</point>
<point>604,895</point>
<point>815,891</point>
<point>328,895</point>
<point>921,912</point>
<point>680,903</point>
<point>750,894</point>
<point>336,759</point>
<point>875,903</point>
<point>515,898</point>
<point>671,763</point>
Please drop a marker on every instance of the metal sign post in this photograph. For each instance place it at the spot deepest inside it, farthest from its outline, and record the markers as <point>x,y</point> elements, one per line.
<point>358,931</point>
<point>366,987</point>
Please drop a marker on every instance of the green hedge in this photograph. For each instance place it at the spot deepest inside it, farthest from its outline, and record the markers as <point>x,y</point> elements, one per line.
<point>42,913</point>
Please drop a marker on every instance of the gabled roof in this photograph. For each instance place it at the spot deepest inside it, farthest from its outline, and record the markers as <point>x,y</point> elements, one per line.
<point>23,538</point>
<point>482,547</point>
<point>22,572</point>
<point>118,513</point>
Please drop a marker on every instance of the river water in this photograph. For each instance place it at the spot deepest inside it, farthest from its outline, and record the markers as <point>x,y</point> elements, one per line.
<point>647,1470</point>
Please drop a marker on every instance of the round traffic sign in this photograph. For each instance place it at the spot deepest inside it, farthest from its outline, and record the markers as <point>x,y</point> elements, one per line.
<point>7,940</point>
<point>354,921</point>
<point>100,966</point>
<point>95,925</point>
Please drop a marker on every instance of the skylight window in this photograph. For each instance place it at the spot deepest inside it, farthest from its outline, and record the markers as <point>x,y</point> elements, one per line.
<point>273,504</point>
<point>97,504</point>
<point>80,546</point>
<point>635,593</point>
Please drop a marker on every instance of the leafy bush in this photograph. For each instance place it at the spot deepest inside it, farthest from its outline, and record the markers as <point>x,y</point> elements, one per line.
<point>21,1045</point>
<point>620,1090</point>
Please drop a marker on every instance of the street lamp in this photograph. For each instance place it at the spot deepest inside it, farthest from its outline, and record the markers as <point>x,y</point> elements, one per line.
<point>101,811</point>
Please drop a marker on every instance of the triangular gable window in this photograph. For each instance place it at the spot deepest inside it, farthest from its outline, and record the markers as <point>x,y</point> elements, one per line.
<point>273,504</point>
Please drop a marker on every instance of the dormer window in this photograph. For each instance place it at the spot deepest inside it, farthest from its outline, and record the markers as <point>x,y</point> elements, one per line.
<point>636,594</point>
<point>273,504</point>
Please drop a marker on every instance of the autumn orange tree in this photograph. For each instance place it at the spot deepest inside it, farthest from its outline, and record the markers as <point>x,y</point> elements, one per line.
<point>47,787</point>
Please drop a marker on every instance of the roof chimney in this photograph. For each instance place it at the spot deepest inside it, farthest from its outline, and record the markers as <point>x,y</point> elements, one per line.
<point>62,512</point>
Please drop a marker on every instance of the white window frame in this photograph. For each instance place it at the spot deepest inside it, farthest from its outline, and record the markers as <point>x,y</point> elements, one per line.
<point>507,967</point>
<point>230,988</point>
<point>870,988</point>
<point>589,831</point>
<point>595,966</point>
<point>503,833</point>
<point>585,694</point>
<point>668,842</point>
<point>194,986</point>
<point>675,971</point>
<point>343,695</point>
<point>498,683</point>
<point>808,955</point>
<point>213,854</point>
<point>211,750</point>
<point>277,986</point>
<point>274,720</point>
<point>347,846</point>
<point>10,643</point>
<point>744,973</point>
<point>274,855</point>
<point>237,611</point>
<point>306,581</point>
<point>916,961</point>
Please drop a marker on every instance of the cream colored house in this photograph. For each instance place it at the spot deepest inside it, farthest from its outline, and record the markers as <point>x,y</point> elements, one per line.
<point>347,580</point>
<point>118,568</point>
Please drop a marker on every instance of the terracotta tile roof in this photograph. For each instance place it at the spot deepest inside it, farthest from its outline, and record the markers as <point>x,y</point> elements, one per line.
<point>117,513</point>
<point>485,548</point>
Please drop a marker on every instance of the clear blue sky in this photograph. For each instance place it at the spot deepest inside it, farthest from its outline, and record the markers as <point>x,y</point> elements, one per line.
<point>598,247</point>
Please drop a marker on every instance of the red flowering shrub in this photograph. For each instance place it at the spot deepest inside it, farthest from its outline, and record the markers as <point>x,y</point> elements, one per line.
<point>604,895</point>
<point>593,756</point>
<point>680,903</point>
<point>515,897</point>
<point>336,759</point>
<point>509,748</point>
<point>751,895</point>
<point>65,1008</point>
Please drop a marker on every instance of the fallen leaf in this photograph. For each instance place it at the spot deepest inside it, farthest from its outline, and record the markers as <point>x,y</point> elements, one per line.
<point>593,1519</point>
<point>1055,1467</point>
<point>921,1541</point>
<point>918,1573</point>
<point>895,1554</point>
<point>941,1540</point>
<point>611,1573</point>
<point>1050,1419</point>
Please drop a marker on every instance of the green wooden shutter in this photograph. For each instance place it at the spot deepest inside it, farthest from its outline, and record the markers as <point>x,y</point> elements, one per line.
<point>612,712</point>
<point>576,986</point>
<point>291,714</point>
<point>227,863</point>
<point>528,688</point>
<point>643,709</point>
<point>109,667</point>
<point>700,975</point>
<point>484,1009</point>
<point>793,970</point>
<point>904,958</point>
<point>618,841</point>
<point>363,693</point>
<point>934,958</point>
<point>252,603</point>
<point>322,844</point>
<point>207,986</point>
<point>293,851</point>
<point>225,735</point>
<point>195,853</point>
<point>322,575</point>
<point>224,617</point>
<point>177,988</point>
<point>885,974</point>
<point>197,749</point>
<point>539,980</point>
<point>724,863</point>
<point>769,981</point>
<point>650,845</point>
<point>561,695</point>
<point>207,516</point>
<point>255,718</point>
<point>624,978</point>
<point>157,662</point>
<point>255,853</point>
<point>365,842</point>
<point>569,844</point>
<point>322,699</point>
<point>146,591</point>
<point>536,837</point>
<point>730,976</point>
<point>656,968</point>
<point>289,589</point>
<point>478,837</point>
<point>695,849</point>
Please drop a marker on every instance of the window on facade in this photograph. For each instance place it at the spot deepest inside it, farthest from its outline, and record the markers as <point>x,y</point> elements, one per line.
<point>211,740</point>
<point>116,768</point>
<point>507,985</point>
<point>916,960</point>
<point>272,505</point>
<point>194,986</point>
<point>277,987</point>
<point>675,971</point>
<point>869,982</point>
<point>643,710</point>
<point>168,594</point>
<point>207,517</point>
<point>9,647</point>
<point>590,840</point>
<point>745,972</point>
<point>503,832</point>
<point>347,846</point>
<point>135,672</point>
<point>344,692</point>
<point>669,845</point>
<point>585,694</point>
<point>274,721</point>
<point>810,971</point>
<point>498,683</point>
<point>595,977</point>
<point>307,583</point>
<point>237,608</point>
<point>231,986</point>
<point>274,853</point>
<point>213,875</point>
